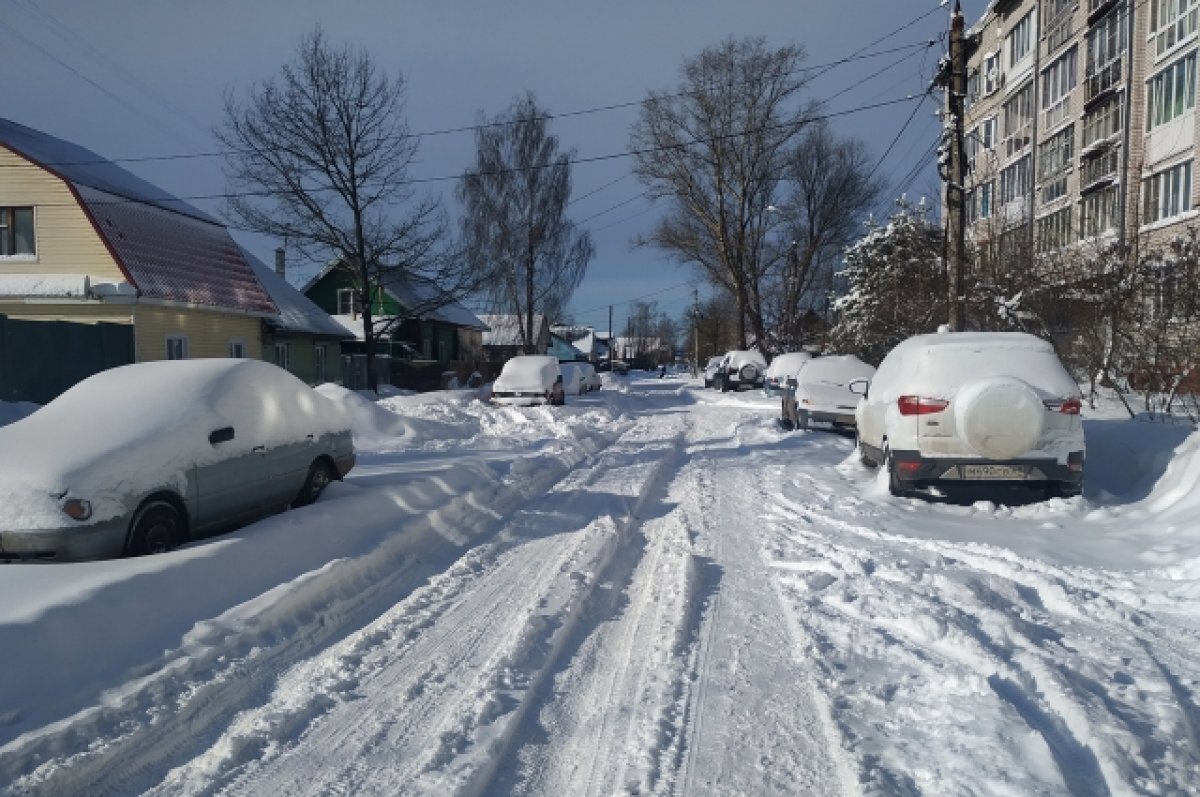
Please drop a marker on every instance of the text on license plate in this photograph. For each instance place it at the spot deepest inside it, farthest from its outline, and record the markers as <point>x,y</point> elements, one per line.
<point>993,472</point>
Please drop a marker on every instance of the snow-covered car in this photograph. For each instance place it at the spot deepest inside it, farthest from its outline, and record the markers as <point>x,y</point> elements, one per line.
<point>741,370</point>
<point>141,458</point>
<point>710,370</point>
<point>593,378</point>
<point>576,380</point>
<point>973,407</point>
<point>529,379</point>
<point>782,367</point>
<point>820,392</point>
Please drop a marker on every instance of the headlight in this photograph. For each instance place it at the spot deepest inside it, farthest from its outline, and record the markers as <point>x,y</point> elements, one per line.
<point>78,508</point>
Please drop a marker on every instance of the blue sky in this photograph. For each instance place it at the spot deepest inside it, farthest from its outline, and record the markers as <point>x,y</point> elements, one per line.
<point>145,79</point>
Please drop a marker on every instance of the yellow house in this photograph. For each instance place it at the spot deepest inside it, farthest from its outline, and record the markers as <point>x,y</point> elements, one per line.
<point>83,240</point>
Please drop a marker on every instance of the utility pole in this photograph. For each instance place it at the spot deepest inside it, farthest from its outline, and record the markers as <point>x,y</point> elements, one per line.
<point>956,206</point>
<point>612,339</point>
<point>695,331</point>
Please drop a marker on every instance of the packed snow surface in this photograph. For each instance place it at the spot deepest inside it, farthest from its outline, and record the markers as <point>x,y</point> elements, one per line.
<point>652,590</point>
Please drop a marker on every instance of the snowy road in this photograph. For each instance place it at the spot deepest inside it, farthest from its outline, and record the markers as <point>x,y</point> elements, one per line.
<point>653,592</point>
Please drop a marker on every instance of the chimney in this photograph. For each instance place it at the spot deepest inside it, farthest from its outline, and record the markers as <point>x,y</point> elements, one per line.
<point>280,268</point>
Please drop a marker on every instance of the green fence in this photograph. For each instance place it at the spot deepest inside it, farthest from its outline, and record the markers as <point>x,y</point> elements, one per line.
<point>41,359</point>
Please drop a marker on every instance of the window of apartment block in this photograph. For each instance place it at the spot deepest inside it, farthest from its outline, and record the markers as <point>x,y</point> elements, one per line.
<point>348,302</point>
<point>1098,212</point>
<point>1054,231</point>
<point>1058,80</point>
<point>1167,193</point>
<point>319,360</point>
<point>983,194</point>
<point>1171,23</point>
<point>987,132</point>
<point>1018,120</point>
<point>1106,41</point>
<point>1171,92</point>
<point>1102,122</point>
<point>991,73</point>
<point>177,347</point>
<point>16,232</point>
<point>1020,38</point>
<point>972,89</point>
<point>1015,180</point>
<point>1054,162</point>
<point>1057,18</point>
<point>282,358</point>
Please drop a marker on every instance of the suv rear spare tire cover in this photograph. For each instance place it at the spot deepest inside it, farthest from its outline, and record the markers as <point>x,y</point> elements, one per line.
<point>1001,417</point>
<point>748,372</point>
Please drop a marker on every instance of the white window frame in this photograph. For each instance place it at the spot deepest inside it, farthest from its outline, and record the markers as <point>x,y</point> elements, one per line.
<point>348,302</point>
<point>1019,41</point>
<point>1173,23</point>
<point>1098,212</point>
<point>176,346</point>
<point>1167,193</point>
<point>1171,92</point>
<point>1015,180</point>
<point>991,73</point>
<point>1058,81</point>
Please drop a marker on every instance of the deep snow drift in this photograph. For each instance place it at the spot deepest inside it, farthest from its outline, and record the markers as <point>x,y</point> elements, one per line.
<point>650,590</point>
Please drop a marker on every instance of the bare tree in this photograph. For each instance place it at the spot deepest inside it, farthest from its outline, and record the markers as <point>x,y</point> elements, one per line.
<point>715,151</point>
<point>827,190</point>
<point>515,227</point>
<point>320,158</point>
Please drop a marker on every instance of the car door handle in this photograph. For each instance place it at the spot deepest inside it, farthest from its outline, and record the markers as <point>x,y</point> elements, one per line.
<point>258,449</point>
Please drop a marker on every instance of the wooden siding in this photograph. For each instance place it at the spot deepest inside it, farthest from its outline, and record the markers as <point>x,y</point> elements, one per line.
<point>302,356</point>
<point>66,242</point>
<point>80,312</point>
<point>208,333</point>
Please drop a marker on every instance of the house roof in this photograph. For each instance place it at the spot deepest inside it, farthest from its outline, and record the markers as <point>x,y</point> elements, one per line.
<point>297,313</point>
<point>166,248</point>
<point>505,330</point>
<point>413,293</point>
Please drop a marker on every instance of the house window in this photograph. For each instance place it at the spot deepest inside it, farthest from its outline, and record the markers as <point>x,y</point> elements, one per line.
<point>1168,193</point>
<point>1054,162</point>
<point>281,356</point>
<point>237,348</point>
<point>1018,120</point>
<point>1057,16</point>
<point>177,347</point>
<point>349,302</point>
<point>972,90</point>
<point>984,193</point>
<point>991,73</point>
<point>319,354</point>
<point>16,232</point>
<point>1015,181</point>
<point>1098,212</point>
<point>1019,39</point>
<point>1057,82</point>
<point>1102,122</point>
<point>1054,231</point>
<point>1171,22</point>
<point>1171,92</point>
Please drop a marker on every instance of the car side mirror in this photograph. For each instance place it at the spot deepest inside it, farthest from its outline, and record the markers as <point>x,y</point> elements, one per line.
<point>222,435</point>
<point>859,386</point>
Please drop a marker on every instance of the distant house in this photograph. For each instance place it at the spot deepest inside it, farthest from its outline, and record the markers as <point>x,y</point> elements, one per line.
<point>436,336</point>
<point>583,339</point>
<point>83,240</point>
<point>502,341</point>
<point>302,338</point>
<point>564,350</point>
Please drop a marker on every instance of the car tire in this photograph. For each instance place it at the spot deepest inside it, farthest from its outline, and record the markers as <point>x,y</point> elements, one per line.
<point>157,527</point>
<point>895,487</point>
<point>724,384</point>
<point>802,420</point>
<point>747,373</point>
<point>320,474</point>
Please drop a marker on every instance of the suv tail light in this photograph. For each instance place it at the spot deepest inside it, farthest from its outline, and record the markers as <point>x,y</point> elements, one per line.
<point>1070,406</point>
<point>920,405</point>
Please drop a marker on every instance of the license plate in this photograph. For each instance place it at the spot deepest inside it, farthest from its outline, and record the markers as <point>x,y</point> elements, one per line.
<point>997,472</point>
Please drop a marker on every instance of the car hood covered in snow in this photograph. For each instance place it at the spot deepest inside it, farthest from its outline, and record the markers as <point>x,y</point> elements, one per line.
<point>530,372</point>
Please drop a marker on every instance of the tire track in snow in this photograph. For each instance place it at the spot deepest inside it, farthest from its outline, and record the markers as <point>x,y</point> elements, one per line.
<point>983,622</point>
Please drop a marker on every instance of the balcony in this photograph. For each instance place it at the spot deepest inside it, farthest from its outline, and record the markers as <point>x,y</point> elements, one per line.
<point>1097,8</point>
<point>1100,170</point>
<point>1103,80</point>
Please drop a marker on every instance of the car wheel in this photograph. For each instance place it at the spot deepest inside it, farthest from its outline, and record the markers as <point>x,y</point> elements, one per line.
<point>320,474</point>
<point>157,528</point>
<point>895,487</point>
<point>724,384</point>
<point>802,420</point>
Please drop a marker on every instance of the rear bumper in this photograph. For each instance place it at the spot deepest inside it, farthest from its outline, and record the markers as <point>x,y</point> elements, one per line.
<point>915,471</point>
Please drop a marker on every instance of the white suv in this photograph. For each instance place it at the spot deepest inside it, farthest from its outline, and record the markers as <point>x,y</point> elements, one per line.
<point>741,370</point>
<point>976,407</point>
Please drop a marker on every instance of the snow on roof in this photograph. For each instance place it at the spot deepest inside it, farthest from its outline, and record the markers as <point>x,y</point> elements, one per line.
<point>504,329</point>
<point>415,293</point>
<point>81,166</point>
<point>45,285</point>
<point>297,313</point>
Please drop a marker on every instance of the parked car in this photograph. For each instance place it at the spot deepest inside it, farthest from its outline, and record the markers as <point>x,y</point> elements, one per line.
<point>710,370</point>
<point>575,377</point>
<point>529,379</point>
<point>741,370</point>
<point>973,407</point>
<point>141,458</point>
<point>820,392</point>
<point>783,366</point>
<point>617,366</point>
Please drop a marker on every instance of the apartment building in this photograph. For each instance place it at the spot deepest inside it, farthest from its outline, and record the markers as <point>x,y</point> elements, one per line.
<point>1080,124</point>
